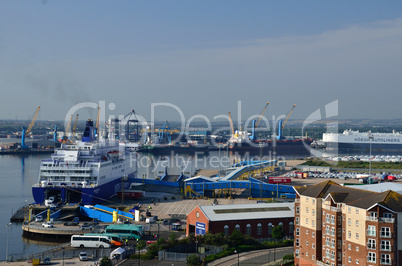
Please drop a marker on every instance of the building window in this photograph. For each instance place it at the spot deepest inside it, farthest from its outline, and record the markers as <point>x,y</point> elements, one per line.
<point>306,199</point>
<point>387,215</point>
<point>373,214</point>
<point>386,259</point>
<point>349,234</point>
<point>306,231</point>
<point>313,211</point>
<point>259,229</point>
<point>237,227</point>
<point>357,235</point>
<point>306,254</point>
<point>371,257</point>
<point>312,257</point>
<point>297,231</point>
<point>297,209</point>
<point>357,261</point>
<point>357,248</point>
<point>313,234</point>
<point>313,246</point>
<point>291,228</point>
<point>313,201</point>
<point>371,230</point>
<point>332,219</point>
<point>226,230</point>
<point>357,211</point>
<point>357,223</point>
<point>306,220</point>
<point>385,232</point>
<point>349,221</point>
<point>248,229</point>
<point>306,209</point>
<point>339,220</point>
<point>385,245</point>
<point>349,209</point>
<point>270,229</point>
<point>306,243</point>
<point>297,242</point>
<point>371,244</point>
<point>349,246</point>
<point>297,220</point>
<point>313,223</point>
<point>297,253</point>
<point>349,259</point>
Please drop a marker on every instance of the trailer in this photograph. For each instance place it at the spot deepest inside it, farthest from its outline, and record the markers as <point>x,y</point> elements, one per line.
<point>278,180</point>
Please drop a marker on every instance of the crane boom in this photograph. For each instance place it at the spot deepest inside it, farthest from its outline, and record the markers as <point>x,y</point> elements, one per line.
<point>262,113</point>
<point>68,126</point>
<point>74,127</point>
<point>97,121</point>
<point>32,122</point>
<point>231,124</point>
<point>290,112</point>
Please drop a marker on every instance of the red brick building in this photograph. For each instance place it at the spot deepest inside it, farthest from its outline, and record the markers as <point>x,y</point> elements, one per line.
<point>337,226</point>
<point>256,220</point>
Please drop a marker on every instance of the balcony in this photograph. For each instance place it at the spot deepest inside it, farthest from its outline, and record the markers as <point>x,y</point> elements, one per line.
<point>334,209</point>
<point>371,260</point>
<point>386,262</point>
<point>386,220</point>
<point>371,218</point>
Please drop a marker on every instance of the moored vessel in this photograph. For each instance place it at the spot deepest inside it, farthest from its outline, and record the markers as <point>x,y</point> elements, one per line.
<point>87,171</point>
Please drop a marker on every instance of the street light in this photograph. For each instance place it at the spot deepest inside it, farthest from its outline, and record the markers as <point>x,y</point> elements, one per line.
<point>238,259</point>
<point>269,255</point>
<point>63,254</point>
<point>370,139</point>
<point>8,231</point>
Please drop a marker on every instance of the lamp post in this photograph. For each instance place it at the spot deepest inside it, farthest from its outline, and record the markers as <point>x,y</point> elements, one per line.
<point>63,254</point>
<point>269,255</point>
<point>238,257</point>
<point>370,139</point>
<point>8,231</point>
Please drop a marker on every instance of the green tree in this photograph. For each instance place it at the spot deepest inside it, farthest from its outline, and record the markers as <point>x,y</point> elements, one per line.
<point>105,261</point>
<point>236,238</point>
<point>194,260</point>
<point>172,239</point>
<point>278,232</point>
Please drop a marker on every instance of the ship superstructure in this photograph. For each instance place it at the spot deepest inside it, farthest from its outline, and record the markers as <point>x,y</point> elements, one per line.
<point>355,141</point>
<point>87,171</point>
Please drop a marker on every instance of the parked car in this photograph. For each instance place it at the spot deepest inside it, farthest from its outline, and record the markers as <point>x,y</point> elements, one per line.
<point>86,226</point>
<point>46,261</point>
<point>48,225</point>
<point>38,218</point>
<point>70,223</point>
<point>83,256</point>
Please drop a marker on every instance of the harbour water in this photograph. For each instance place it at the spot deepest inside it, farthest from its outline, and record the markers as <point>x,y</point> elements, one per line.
<point>18,173</point>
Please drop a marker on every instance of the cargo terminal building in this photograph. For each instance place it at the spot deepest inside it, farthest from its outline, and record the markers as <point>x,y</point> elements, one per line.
<point>255,220</point>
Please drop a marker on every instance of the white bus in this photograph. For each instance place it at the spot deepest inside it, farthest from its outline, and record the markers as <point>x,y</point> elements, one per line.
<point>80,241</point>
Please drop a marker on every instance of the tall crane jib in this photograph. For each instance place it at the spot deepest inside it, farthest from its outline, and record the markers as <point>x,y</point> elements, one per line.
<point>25,132</point>
<point>282,125</point>
<point>256,123</point>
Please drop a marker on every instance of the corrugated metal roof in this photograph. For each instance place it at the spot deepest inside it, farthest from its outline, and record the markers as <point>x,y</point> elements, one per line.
<point>248,211</point>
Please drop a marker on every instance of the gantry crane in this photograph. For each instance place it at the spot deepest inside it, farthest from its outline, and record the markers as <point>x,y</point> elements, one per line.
<point>231,124</point>
<point>255,124</point>
<point>67,130</point>
<point>282,125</point>
<point>25,132</point>
<point>74,128</point>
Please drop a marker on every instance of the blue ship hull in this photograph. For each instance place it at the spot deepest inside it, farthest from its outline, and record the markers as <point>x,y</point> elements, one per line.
<point>85,196</point>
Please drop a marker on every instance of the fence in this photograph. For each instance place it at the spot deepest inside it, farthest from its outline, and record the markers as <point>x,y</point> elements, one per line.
<point>176,256</point>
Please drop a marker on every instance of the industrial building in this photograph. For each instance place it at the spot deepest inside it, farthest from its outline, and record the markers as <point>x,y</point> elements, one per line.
<point>337,225</point>
<point>255,220</point>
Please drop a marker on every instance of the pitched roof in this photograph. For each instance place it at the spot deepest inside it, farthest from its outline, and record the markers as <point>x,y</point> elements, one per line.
<point>355,197</point>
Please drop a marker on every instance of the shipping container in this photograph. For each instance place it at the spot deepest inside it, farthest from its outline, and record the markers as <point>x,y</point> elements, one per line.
<point>278,180</point>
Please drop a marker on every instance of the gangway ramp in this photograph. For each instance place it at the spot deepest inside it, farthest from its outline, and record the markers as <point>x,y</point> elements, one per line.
<point>105,214</point>
<point>236,174</point>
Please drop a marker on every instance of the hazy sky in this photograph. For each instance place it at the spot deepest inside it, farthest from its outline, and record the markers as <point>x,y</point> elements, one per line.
<point>202,56</point>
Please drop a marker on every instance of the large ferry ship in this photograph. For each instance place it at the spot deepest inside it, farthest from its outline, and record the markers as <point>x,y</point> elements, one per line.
<point>351,141</point>
<point>87,171</point>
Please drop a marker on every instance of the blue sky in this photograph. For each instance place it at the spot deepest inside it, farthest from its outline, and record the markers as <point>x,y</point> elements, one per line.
<point>202,56</point>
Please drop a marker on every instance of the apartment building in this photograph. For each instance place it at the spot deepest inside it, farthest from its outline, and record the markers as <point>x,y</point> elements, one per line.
<point>337,226</point>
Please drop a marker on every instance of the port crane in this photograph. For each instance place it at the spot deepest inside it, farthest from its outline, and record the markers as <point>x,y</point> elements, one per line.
<point>255,124</point>
<point>131,126</point>
<point>282,125</point>
<point>165,131</point>
<point>97,123</point>
<point>67,131</point>
<point>231,125</point>
<point>25,132</point>
<point>74,128</point>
